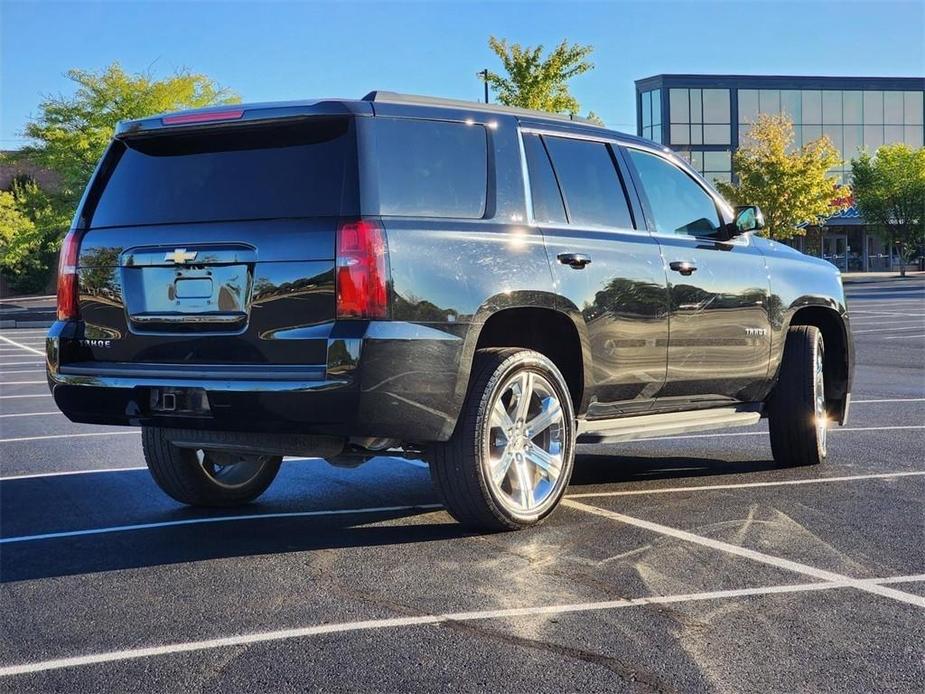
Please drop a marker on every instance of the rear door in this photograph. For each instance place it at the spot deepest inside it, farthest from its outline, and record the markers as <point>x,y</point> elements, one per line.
<point>720,331</point>
<point>216,245</point>
<point>608,271</point>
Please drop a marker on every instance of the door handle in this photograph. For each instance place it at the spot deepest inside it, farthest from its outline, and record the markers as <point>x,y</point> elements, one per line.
<point>685,267</point>
<point>576,261</point>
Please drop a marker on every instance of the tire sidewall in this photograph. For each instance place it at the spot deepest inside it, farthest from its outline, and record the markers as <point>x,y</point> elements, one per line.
<point>518,363</point>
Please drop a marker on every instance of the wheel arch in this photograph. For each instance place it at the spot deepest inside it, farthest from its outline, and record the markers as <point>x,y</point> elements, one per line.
<point>546,330</point>
<point>838,360</point>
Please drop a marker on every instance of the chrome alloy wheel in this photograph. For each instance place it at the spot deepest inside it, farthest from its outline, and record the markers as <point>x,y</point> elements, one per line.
<point>230,470</point>
<point>525,443</point>
<point>819,402</point>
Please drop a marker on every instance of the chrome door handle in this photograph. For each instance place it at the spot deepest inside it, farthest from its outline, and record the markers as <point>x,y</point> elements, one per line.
<point>576,261</point>
<point>685,267</point>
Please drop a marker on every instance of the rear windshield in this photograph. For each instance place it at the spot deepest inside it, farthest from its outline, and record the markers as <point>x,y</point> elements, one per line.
<point>300,169</point>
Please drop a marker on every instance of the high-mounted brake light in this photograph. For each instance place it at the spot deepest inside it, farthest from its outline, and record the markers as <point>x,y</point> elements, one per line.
<point>67,277</point>
<point>207,117</point>
<point>362,270</point>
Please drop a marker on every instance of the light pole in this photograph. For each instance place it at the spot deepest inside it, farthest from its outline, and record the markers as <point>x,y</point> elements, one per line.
<point>484,74</point>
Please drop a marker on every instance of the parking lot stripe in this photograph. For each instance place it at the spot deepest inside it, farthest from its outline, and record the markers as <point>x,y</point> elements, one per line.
<point>22,363</point>
<point>71,436</point>
<point>420,620</point>
<point>869,402</point>
<point>903,337</point>
<point>68,473</point>
<point>21,383</point>
<point>25,347</point>
<point>31,371</point>
<point>886,330</point>
<point>28,414</point>
<point>745,485</point>
<point>745,553</point>
<point>217,519</point>
<point>33,395</point>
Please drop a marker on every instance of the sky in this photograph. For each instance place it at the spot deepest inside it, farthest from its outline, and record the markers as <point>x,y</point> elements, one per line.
<point>269,51</point>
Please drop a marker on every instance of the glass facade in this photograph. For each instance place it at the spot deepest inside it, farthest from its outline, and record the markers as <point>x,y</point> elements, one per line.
<point>706,118</point>
<point>651,109</point>
<point>852,119</point>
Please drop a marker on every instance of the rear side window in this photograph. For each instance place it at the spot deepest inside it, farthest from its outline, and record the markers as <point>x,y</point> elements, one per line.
<point>544,190</point>
<point>431,168</point>
<point>590,183</point>
<point>303,169</point>
<point>678,204</point>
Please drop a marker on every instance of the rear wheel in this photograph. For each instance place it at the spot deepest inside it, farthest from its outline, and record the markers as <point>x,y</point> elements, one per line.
<point>797,415</point>
<point>510,458</point>
<point>202,477</point>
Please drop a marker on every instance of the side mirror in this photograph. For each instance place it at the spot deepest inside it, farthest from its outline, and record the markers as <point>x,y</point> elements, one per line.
<point>748,218</point>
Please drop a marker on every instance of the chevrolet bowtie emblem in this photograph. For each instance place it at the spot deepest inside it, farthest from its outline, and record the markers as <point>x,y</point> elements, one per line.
<point>181,256</point>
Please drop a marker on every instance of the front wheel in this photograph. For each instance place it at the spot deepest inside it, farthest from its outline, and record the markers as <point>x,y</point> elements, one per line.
<point>511,456</point>
<point>202,477</point>
<point>797,414</point>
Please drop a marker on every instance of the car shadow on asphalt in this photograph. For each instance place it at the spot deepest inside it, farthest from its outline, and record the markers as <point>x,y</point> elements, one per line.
<point>179,544</point>
<point>598,469</point>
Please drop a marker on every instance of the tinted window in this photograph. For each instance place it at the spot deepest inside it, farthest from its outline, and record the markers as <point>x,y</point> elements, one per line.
<point>590,183</point>
<point>302,169</point>
<point>547,200</point>
<point>679,205</point>
<point>431,168</point>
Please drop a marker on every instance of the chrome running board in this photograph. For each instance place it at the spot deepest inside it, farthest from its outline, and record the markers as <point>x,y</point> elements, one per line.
<point>664,424</point>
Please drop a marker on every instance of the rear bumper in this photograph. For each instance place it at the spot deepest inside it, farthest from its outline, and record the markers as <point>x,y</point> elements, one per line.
<point>394,380</point>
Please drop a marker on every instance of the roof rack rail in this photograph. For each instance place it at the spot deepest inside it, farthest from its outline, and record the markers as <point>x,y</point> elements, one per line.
<point>398,98</point>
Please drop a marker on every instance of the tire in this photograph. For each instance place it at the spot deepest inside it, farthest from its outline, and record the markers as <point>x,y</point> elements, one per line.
<point>203,477</point>
<point>537,464</point>
<point>797,414</point>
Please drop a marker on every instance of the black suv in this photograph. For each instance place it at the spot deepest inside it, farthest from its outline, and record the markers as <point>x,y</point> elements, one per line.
<point>479,286</point>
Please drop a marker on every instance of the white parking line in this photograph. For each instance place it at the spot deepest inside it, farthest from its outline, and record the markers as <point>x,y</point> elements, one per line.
<point>745,485</point>
<point>903,337</point>
<point>28,414</point>
<point>429,619</point>
<point>22,363</point>
<point>70,436</point>
<point>736,550</point>
<point>25,347</point>
<point>21,383</point>
<point>886,330</point>
<point>870,402</point>
<point>68,473</point>
<point>35,395</point>
<point>216,519</point>
<point>27,371</point>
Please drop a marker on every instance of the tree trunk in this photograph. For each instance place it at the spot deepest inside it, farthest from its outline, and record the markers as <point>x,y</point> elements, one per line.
<point>902,259</point>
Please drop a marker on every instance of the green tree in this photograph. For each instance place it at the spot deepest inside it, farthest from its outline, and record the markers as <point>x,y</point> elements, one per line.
<point>536,82</point>
<point>30,227</point>
<point>69,136</point>
<point>790,184</point>
<point>889,191</point>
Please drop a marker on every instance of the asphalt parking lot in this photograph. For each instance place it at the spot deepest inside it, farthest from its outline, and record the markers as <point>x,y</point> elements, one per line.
<point>679,564</point>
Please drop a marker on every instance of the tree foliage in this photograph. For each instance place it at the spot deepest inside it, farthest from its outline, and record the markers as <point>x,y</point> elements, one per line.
<point>69,136</point>
<point>889,191</point>
<point>536,82</point>
<point>29,235</point>
<point>790,184</point>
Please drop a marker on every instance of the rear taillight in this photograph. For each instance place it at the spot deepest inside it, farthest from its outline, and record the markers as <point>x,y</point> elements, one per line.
<point>67,277</point>
<point>362,270</point>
